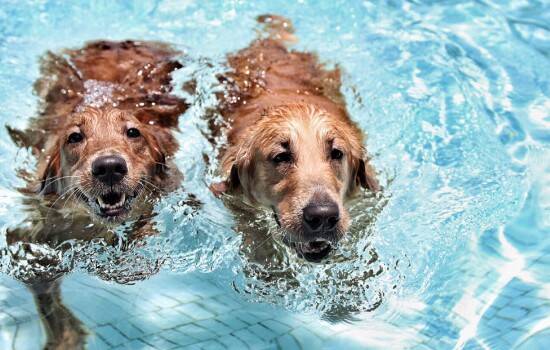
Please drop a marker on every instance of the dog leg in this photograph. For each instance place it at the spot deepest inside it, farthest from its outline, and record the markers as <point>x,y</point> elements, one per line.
<point>63,329</point>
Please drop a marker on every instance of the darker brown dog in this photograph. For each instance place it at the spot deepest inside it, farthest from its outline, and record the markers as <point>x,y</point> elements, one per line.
<point>105,131</point>
<point>292,146</point>
<point>103,139</point>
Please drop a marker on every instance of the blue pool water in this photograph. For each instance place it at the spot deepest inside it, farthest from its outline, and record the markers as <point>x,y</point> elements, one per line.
<point>455,98</point>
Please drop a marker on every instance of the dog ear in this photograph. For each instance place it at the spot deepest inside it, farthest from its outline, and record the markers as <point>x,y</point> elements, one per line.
<point>366,176</point>
<point>49,171</point>
<point>230,184</point>
<point>233,181</point>
<point>162,145</point>
<point>235,163</point>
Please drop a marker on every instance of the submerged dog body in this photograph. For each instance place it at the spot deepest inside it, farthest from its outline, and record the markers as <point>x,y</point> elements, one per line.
<point>292,146</point>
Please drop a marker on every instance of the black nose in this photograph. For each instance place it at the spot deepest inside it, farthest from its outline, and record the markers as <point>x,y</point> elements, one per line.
<point>109,169</point>
<point>321,217</point>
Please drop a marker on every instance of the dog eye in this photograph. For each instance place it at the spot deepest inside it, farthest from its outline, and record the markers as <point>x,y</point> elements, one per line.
<point>75,137</point>
<point>336,154</point>
<point>283,157</point>
<point>133,133</point>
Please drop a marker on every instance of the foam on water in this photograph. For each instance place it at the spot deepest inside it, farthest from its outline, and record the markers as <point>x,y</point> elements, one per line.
<point>454,97</point>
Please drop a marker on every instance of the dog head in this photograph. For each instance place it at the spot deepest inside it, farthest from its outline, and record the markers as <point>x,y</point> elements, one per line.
<point>304,163</point>
<point>105,159</point>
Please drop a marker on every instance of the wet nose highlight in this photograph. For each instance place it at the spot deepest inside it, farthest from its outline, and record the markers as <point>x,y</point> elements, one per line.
<point>109,169</point>
<point>320,217</point>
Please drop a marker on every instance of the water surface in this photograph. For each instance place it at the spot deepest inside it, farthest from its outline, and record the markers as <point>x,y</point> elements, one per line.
<point>455,99</point>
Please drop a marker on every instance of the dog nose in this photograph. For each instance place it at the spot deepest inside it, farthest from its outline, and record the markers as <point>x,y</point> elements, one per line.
<point>109,169</point>
<point>319,217</point>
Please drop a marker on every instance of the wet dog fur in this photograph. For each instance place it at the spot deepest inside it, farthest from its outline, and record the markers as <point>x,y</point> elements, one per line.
<point>103,140</point>
<point>292,147</point>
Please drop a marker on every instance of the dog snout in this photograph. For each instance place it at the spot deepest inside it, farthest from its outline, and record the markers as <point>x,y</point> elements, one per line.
<point>321,217</point>
<point>109,169</point>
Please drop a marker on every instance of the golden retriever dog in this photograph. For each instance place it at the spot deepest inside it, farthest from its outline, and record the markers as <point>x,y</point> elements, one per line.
<point>105,131</point>
<point>103,140</point>
<point>292,146</point>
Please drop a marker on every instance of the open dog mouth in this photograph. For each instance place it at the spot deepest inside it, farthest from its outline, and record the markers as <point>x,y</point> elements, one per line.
<point>112,204</point>
<point>314,251</point>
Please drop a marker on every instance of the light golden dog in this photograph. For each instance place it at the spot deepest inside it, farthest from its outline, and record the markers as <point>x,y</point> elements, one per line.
<point>292,146</point>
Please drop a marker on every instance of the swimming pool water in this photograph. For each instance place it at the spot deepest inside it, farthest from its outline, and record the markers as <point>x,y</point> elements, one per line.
<point>455,99</point>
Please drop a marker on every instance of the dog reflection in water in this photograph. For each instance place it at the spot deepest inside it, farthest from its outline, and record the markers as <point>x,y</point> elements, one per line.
<point>104,142</point>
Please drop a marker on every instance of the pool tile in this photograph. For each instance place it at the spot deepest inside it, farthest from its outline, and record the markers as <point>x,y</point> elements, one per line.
<point>537,341</point>
<point>277,327</point>
<point>290,322</point>
<point>251,339</point>
<point>6,320</point>
<point>214,326</point>
<point>28,335</point>
<point>251,317</point>
<point>100,311</point>
<point>137,344</point>
<point>128,329</point>
<point>196,311</point>
<point>111,335</point>
<point>229,301</point>
<point>141,306</point>
<point>210,345</point>
<point>529,303</point>
<point>511,336</point>
<point>232,322</point>
<point>146,324</point>
<point>179,338</point>
<point>185,296</point>
<point>96,343</point>
<point>159,342</point>
<point>232,342</point>
<point>510,292</point>
<point>490,312</point>
<point>501,301</point>
<point>520,285</point>
<point>173,317</point>
<point>512,313</point>
<point>7,336</point>
<point>163,301</point>
<point>262,332</point>
<point>501,324</point>
<point>216,306</point>
<point>158,321</point>
<point>196,332</point>
<point>288,342</point>
<point>19,315</point>
<point>540,312</point>
<point>306,338</point>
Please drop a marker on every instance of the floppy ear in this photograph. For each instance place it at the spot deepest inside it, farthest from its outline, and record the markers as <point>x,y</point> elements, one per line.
<point>49,171</point>
<point>162,144</point>
<point>366,176</point>
<point>230,184</point>
<point>236,161</point>
<point>233,181</point>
